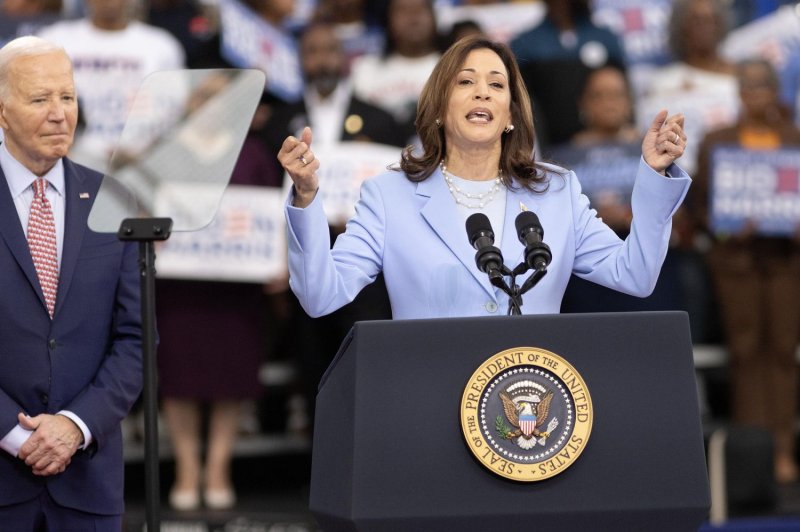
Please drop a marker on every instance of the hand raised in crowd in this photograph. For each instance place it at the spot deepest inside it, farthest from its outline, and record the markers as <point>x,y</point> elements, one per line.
<point>298,160</point>
<point>664,141</point>
<point>55,439</point>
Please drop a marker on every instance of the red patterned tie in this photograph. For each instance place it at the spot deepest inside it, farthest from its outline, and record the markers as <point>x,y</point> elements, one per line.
<point>42,242</point>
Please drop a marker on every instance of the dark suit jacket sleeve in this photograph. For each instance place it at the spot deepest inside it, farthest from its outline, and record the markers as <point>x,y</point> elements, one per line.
<point>108,399</point>
<point>8,413</point>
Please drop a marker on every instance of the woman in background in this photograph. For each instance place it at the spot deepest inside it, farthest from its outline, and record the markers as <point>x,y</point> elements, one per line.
<point>757,277</point>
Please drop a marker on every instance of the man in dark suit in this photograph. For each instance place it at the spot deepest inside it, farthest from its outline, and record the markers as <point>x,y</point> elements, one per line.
<point>70,328</point>
<point>328,104</point>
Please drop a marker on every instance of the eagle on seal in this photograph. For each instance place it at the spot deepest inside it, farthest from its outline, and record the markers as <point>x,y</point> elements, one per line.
<point>527,417</point>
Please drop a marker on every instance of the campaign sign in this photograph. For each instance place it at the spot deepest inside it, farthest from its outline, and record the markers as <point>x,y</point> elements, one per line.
<point>606,172</point>
<point>343,168</point>
<point>641,25</point>
<point>249,41</point>
<point>246,241</point>
<point>760,186</point>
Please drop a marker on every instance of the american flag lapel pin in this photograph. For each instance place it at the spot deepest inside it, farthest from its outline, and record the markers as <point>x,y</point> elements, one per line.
<point>83,195</point>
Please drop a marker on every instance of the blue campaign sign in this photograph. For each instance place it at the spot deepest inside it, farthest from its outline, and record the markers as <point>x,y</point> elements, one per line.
<point>762,186</point>
<point>249,41</point>
<point>642,26</point>
<point>605,170</point>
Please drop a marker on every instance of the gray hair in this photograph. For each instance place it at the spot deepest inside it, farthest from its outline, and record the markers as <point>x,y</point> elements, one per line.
<point>22,47</point>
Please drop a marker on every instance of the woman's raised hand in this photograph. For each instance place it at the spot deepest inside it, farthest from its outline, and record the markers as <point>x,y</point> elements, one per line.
<point>664,141</point>
<point>299,162</point>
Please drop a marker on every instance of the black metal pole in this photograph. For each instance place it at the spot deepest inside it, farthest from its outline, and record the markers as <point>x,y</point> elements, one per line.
<point>146,231</point>
<point>150,384</point>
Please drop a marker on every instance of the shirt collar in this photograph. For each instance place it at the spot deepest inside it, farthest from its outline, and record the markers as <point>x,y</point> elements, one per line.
<point>339,98</point>
<point>20,178</point>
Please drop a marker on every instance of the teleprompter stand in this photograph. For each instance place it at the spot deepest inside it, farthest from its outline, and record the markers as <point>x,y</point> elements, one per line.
<point>147,231</point>
<point>168,172</point>
<point>389,454</point>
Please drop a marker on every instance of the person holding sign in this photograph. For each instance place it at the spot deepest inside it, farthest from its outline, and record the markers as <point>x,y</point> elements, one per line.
<point>606,109</point>
<point>757,275</point>
<point>475,123</point>
<point>605,154</point>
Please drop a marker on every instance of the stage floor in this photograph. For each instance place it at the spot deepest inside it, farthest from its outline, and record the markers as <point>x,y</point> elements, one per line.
<point>272,480</point>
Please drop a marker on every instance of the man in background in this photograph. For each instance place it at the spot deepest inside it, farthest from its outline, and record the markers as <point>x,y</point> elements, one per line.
<point>329,106</point>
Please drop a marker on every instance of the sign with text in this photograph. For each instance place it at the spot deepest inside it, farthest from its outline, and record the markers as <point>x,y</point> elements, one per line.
<point>606,172</point>
<point>249,41</point>
<point>760,186</point>
<point>246,241</point>
<point>641,25</point>
<point>642,28</point>
<point>343,167</point>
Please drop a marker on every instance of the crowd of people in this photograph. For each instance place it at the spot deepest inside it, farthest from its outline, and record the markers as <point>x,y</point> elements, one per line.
<point>364,66</point>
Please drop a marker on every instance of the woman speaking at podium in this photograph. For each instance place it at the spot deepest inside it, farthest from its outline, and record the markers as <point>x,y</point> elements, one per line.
<point>475,123</point>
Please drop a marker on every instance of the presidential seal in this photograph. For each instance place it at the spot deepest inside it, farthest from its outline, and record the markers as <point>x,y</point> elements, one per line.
<point>526,414</point>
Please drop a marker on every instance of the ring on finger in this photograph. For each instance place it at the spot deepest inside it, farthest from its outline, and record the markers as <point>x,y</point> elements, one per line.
<point>303,160</point>
<point>677,139</point>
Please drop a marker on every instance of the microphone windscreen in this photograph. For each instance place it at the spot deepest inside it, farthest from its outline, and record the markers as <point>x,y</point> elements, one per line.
<point>478,225</point>
<point>526,222</point>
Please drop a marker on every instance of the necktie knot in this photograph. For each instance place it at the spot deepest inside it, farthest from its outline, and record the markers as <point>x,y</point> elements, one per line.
<point>39,187</point>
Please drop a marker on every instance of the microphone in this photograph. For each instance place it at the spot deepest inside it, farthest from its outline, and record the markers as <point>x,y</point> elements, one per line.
<point>488,257</point>
<point>530,233</point>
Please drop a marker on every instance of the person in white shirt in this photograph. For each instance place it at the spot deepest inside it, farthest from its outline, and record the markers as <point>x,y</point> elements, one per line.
<point>111,54</point>
<point>700,83</point>
<point>393,81</point>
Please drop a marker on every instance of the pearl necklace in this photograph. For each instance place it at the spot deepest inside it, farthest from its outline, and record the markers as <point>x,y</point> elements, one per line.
<point>462,197</point>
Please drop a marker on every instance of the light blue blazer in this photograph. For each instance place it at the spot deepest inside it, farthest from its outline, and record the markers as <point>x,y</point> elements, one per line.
<point>413,233</point>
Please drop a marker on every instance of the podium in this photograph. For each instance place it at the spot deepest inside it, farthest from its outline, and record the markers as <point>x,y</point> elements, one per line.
<point>389,453</point>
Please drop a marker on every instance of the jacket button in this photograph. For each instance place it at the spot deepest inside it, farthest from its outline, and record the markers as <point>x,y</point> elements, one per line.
<point>51,343</point>
<point>45,398</point>
<point>491,306</point>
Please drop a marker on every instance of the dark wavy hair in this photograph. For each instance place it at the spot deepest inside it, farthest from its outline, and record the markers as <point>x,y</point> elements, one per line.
<point>516,157</point>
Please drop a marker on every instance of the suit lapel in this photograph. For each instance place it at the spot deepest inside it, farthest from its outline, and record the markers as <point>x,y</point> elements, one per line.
<point>13,234</point>
<point>442,215</point>
<point>75,220</point>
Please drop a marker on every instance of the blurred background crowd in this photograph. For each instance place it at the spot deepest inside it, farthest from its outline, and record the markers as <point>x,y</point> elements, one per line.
<point>597,71</point>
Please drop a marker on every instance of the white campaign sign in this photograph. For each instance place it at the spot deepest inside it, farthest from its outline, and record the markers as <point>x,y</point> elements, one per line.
<point>343,167</point>
<point>246,241</point>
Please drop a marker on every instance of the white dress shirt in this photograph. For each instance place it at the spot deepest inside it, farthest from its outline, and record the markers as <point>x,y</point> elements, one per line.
<point>20,181</point>
<point>326,115</point>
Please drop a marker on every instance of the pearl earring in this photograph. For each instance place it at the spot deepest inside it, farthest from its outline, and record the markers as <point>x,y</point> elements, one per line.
<point>509,128</point>
<point>438,123</point>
